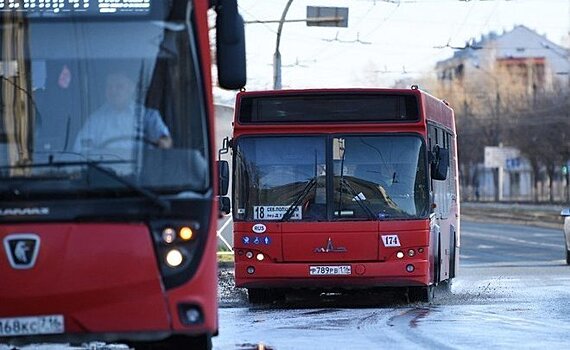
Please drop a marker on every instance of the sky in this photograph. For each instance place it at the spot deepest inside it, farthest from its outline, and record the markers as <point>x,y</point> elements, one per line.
<point>385,40</point>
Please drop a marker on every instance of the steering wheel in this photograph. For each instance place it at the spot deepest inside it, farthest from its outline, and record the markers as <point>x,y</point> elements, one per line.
<point>125,138</point>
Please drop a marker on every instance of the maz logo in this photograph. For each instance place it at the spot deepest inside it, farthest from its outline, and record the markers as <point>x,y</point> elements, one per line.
<point>330,248</point>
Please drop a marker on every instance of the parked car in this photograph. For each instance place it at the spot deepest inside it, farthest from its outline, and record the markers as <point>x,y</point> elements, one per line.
<point>566,214</point>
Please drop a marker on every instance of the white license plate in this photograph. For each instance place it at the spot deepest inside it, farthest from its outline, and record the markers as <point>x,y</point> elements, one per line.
<point>15,326</point>
<point>329,270</point>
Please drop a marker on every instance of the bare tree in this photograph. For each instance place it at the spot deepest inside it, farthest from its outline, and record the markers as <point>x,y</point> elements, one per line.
<point>501,103</point>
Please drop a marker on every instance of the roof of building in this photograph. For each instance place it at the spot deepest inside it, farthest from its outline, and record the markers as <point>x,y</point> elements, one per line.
<point>520,42</point>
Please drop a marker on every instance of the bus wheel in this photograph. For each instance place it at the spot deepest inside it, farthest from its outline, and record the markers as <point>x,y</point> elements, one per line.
<point>445,286</point>
<point>200,342</point>
<point>259,295</point>
<point>176,342</point>
<point>423,294</point>
<point>452,266</point>
<point>568,256</point>
<point>265,295</point>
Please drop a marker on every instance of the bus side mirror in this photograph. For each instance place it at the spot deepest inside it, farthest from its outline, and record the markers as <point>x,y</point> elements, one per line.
<point>230,45</point>
<point>224,177</point>
<point>439,163</point>
<point>225,205</point>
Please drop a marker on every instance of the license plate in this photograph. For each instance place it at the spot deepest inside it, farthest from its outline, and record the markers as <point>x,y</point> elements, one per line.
<point>15,326</point>
<point>329,270</point>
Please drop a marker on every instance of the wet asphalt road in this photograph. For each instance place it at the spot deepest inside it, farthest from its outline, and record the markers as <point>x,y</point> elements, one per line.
<point>513,291</point>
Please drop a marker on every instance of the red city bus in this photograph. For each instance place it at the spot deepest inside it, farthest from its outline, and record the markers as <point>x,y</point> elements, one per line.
<point>343,189</point>
<point>109,209</point>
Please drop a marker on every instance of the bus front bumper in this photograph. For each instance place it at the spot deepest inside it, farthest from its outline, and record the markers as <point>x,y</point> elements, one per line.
<point>252,274</point>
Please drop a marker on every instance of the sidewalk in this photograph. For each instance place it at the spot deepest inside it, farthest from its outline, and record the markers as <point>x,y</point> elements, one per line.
<point>542,215</point>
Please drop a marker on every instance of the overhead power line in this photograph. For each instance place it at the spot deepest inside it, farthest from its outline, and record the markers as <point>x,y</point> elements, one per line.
<point>357,40</point>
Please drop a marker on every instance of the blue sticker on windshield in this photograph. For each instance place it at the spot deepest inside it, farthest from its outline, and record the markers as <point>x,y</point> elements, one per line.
<point>256,240</point>
<point>245,240</point>
<point>383,215</point>
<point>266,240</point>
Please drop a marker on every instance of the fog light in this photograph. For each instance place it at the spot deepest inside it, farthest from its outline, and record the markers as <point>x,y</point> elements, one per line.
<point>250,269</point>
<point>193,316</point>
<point>190,314</point>
<point>168,235</point>
<point>410,268</point>
<point>400,255</point>
<point>174,258</point>
<point>421,250</point>
<point>260,257</point>
<point>186,233</point>
<point>249,255</point>
<point>411,252</point>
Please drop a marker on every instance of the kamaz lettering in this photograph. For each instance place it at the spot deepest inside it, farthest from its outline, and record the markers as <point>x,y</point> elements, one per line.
<point>24,211</point>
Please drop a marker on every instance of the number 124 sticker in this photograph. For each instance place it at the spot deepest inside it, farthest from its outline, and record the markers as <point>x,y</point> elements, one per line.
<point>391,241</point>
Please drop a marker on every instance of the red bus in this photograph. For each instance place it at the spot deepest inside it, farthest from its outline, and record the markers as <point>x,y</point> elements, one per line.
<point>109,209</point>
<point>343,189</point>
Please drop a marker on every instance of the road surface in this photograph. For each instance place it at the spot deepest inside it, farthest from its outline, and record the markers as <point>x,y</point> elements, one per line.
<point>513,291</point>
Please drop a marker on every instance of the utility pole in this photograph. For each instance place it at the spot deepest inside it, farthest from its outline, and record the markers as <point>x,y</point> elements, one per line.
<point>323,16</point>
<point>277,54</point>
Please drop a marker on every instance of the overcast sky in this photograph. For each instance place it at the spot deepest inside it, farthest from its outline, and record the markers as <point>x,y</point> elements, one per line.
<point>385,40</point>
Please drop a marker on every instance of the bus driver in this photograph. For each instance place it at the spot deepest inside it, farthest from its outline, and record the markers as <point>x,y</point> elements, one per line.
<point>116,124</point>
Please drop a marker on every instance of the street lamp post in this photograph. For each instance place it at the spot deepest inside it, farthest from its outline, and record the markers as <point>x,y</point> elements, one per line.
<point>277,54</point>
<point>321,16</point>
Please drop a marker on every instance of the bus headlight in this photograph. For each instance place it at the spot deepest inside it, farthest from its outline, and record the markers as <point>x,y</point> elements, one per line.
<point>179,245</point>
<point>400,254</point>
<point>168,235</point>
<point>260,257</point>
<point>186,233</point>
<point>174,258</point>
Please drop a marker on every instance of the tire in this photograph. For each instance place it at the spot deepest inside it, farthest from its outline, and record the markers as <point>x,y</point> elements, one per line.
<point>445,286</point>
<point>567,256</point>
<point>437,262</point>
<point>259,296</point>
<point>177,342</point>
<point>423,294</point>
<point>452,257</point>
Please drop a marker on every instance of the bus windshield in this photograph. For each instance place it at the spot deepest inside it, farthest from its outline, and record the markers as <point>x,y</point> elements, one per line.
<point>124,94</point>
<point>319,178</point>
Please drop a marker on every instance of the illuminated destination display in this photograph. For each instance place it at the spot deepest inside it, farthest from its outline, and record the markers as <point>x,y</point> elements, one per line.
<point>57,8</point>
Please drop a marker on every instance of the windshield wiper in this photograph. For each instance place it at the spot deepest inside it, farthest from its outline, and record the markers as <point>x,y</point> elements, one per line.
<point>357,199</point>
<point>153,197</point>
<point>299,198</point>
<point>308,187</point>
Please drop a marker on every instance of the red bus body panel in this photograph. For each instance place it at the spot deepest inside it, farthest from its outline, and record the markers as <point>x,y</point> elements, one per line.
<point>296,246</point>
<point>103,278</point>
<point>84,271</point>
